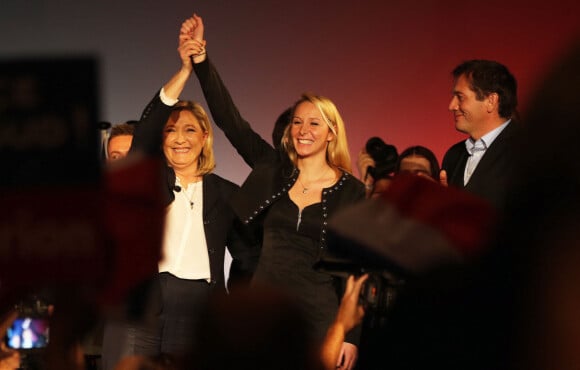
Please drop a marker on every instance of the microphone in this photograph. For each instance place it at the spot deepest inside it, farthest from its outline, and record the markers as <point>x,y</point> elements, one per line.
<point>177,188</point>
<point>103,125</point>
<point>104,136</point>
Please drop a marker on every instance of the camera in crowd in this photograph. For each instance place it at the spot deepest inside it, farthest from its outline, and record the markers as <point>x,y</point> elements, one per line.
<point>30,330</point>
<point>378,296</point>
<point>379,291</point>
<point>385,157</point>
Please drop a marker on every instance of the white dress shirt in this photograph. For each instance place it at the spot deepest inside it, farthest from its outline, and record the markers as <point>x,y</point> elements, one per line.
<point>477,148</point>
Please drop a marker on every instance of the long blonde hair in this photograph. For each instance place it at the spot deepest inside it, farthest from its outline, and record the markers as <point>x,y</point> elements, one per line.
<point>337,154</point>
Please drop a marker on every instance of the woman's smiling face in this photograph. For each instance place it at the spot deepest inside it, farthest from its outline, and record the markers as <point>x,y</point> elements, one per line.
<point>183,140</point>
<point>310,132</point>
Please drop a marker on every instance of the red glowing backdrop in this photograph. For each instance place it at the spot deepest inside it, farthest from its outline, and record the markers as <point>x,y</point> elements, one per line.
<point>386,64</point>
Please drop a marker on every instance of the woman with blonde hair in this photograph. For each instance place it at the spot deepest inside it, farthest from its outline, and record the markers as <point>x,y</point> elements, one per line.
<point>290,193</point>
<point>199,225</point>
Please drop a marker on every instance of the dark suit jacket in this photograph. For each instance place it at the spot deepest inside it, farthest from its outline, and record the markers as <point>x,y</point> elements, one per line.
<point>222,228</point>
<point>491,177</point>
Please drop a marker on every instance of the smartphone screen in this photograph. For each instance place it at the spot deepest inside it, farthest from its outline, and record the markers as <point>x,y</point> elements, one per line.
<point>28,333</point>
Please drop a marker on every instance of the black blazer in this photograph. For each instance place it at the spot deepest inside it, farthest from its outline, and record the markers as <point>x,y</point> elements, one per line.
<point>491,177</point>
<point>222,228</point>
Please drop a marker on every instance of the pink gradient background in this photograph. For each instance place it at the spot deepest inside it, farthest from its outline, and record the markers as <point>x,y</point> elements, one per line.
<point>386,64</point>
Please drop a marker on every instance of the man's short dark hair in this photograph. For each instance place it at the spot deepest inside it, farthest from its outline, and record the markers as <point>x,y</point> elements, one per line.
<point>122,129</point>
<point>487,77</point>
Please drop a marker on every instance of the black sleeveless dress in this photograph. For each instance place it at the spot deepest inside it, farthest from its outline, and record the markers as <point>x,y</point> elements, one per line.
<point>290,249</point>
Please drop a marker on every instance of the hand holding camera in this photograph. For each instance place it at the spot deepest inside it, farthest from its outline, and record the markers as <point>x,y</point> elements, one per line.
<point>9,358</point>
<point>351,312</point>
<point>384,156</point>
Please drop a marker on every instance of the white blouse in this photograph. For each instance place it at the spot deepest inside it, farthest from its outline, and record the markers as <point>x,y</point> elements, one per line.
<point>185,252</point>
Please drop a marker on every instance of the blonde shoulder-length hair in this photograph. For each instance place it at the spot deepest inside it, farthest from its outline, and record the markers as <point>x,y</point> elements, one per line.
<point>337,153</point>
<point>206,160</point>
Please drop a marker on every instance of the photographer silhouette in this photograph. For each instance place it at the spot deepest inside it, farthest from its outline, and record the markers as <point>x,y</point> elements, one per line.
<point>384,155</point>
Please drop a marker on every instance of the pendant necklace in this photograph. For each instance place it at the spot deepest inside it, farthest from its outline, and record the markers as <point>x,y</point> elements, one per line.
<point>190,200</point>
<point>306,188</point>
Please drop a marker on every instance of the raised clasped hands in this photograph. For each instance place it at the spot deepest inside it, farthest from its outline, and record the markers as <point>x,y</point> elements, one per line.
<point>191,42</point>
<point>192,27</point>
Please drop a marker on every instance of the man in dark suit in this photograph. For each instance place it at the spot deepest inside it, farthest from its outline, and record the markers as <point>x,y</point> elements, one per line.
<point>484,107</point>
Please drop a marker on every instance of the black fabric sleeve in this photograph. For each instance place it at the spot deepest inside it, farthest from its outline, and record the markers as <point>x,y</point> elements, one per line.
<point>148,134</point>
<point>244,245</point>
<point>251,146</point>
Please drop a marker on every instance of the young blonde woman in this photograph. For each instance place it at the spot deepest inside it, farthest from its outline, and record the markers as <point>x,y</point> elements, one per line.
<point>291,193</point>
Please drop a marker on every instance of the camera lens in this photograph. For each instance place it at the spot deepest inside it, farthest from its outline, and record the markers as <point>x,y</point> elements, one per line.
<point>384,155</point>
